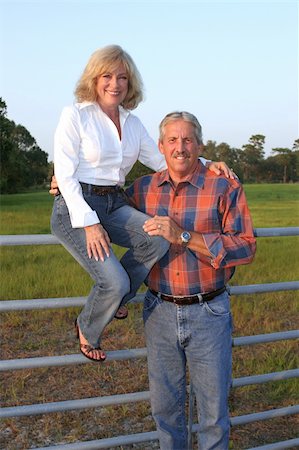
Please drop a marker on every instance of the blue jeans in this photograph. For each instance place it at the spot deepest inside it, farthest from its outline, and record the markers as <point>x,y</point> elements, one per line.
<point>198,335</point>
<point>114,280</point>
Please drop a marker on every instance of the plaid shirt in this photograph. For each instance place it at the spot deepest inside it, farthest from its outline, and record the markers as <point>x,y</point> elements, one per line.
<point>208,204</point>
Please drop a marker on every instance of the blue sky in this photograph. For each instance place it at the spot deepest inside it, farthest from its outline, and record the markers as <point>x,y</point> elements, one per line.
<point>234,64</point>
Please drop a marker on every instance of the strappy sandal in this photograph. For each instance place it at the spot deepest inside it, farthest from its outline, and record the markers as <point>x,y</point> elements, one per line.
<point>87,349</point>
<point>121,313</point>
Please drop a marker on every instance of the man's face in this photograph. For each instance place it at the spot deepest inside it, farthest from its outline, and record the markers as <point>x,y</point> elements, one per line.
<point>180,148</point>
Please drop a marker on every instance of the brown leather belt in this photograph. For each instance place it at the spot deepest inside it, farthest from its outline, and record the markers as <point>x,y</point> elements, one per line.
<point>197,298</point>
<point>99,190</point>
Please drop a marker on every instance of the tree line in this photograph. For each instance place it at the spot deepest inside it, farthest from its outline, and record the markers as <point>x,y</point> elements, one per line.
<point>24,165</point>
<point>249,162</point>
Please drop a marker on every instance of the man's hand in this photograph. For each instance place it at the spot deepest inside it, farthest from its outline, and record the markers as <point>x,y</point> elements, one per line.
<point>221,168</point>
<point>163,226</point>
<point>166,227</point>
<point>97,242</point>
<point>54,186</point>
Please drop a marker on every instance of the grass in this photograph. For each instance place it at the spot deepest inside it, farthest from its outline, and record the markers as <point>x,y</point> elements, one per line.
<point>49,271</point>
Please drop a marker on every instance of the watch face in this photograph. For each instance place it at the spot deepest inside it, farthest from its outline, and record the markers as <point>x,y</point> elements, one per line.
<point>185,236</point>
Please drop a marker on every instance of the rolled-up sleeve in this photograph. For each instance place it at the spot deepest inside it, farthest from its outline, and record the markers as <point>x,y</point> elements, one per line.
<point>236,244</point>
<point>66,160</point>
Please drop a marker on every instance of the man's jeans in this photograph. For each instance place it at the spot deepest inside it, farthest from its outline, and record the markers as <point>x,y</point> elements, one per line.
<point>114,280</point>
<point>198,335</point>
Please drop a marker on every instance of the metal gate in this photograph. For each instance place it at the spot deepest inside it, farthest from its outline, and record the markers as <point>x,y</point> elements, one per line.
<point>29,363</point>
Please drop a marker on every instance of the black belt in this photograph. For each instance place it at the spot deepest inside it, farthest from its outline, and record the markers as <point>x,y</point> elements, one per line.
<point>197,298</point>
<point>99,190</point>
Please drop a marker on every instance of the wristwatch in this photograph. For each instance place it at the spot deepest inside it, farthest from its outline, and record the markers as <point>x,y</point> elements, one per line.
<point>185,237</point>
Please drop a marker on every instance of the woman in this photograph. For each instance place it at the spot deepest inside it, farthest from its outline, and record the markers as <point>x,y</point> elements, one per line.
<point>96,144</point>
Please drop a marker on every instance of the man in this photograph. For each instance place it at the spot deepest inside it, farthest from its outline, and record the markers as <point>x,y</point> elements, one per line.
<point>187,316</point>
<point>186,310</point>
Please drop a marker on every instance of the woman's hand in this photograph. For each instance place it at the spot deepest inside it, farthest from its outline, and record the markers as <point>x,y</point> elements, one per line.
<point>219,167</point>
<point>97,242</point>
<point>54,186</point>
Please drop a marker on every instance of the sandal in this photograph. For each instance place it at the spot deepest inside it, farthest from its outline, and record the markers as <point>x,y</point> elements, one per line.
<point>88,350</point>
<point>121,313</point>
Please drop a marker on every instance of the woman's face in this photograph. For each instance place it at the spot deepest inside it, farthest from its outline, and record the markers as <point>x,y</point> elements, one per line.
<point>112,87</point>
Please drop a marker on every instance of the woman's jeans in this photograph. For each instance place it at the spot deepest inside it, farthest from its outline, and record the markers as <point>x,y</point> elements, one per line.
<point>114,280</point>
<point>198,335</point>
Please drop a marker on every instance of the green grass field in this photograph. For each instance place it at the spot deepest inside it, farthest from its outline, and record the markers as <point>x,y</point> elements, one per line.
<point>48,271</point>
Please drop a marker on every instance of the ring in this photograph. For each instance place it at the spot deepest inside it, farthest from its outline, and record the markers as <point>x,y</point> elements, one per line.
<point>159,227</point>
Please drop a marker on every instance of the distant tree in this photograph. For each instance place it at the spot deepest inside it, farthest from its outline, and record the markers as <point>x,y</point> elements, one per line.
<point>8,148</point>
<point>271,169</point>
<point>296,145</point>
<point>23,138</point>
<point>284,158</point>
<point>37,160</point>
<point>251,158</point>
<point>296,158</point>
<point>231,156</point>
<point>23,163</point>
<point>210,150</point>
<point>223,152</point>
<point>3,108</point>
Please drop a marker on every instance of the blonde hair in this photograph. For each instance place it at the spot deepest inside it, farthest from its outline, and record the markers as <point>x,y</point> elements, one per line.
<point>183,115</point>
<point>103,60</point>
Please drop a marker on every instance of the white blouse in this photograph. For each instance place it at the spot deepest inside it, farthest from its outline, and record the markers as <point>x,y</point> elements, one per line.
<point>87,148</point>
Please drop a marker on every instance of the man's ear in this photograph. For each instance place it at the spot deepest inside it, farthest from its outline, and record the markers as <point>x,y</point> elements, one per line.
<point>160,146</point>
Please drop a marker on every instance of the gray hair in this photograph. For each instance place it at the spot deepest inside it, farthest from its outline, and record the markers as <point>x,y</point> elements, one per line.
<point>181,115</point>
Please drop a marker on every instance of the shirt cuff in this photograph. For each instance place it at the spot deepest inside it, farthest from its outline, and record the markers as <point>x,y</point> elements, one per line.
<point>216,249</point>
<point>81,221</point>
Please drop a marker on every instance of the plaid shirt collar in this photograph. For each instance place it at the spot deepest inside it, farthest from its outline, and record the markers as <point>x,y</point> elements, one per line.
<point>196,178</point>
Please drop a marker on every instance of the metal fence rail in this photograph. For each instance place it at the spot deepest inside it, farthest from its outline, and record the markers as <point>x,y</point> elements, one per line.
<point>45,408</point>
<point>112,400</point>
<point>152,435</point>
<point>67,302</point>
<point>49,239</point>
<point>120,355</point>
